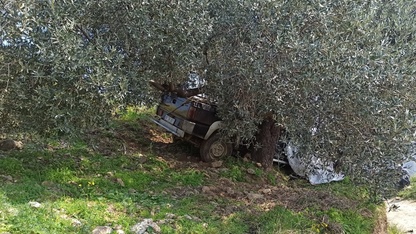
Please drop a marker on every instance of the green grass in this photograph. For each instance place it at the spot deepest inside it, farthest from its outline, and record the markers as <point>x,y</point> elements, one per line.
<point>80,188</point>
<point>280,220</point>
<point>135,113</point>
<point>238,170</point>
<point>394,230</point>
<point>84,187</point>
<point>350,221</point>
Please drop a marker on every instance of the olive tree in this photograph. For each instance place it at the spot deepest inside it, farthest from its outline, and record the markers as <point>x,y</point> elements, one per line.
<point>66,65</point>
<point>53,78</point>
<point>338,76</point>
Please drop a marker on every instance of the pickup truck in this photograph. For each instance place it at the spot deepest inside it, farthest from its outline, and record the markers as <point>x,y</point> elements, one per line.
<point>189,115</point>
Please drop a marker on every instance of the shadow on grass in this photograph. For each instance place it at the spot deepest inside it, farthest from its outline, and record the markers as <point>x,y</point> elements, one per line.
<point>131,171</point>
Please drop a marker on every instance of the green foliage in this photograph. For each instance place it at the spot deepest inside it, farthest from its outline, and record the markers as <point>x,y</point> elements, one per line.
<point>188,178</point>
<point>235,173</point>
<point>338,75</point>
<point>67,65</point>
<point>345,188</point>
<point>394,230</point>
<point>53,76</point>
<point>72,181</point>
<point>131,114</point>
<point>280,220</point>
<point>352,222</point>
<point>238,170</point>
<point>75,184</point>
<point>337,221</point>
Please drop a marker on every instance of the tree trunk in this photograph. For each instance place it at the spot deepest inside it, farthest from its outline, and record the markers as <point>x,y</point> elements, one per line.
<point>267,138</point>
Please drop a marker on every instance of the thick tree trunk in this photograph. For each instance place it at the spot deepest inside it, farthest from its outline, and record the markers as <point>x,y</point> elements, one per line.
<point>267,137</point>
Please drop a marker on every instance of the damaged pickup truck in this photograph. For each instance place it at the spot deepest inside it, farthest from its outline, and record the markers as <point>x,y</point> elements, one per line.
<point>187,114</point>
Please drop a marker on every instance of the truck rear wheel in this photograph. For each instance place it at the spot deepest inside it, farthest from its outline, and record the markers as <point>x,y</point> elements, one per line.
<point>214,148</point>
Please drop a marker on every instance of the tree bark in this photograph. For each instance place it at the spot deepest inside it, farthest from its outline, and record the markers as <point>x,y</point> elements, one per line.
<point>267,137</point>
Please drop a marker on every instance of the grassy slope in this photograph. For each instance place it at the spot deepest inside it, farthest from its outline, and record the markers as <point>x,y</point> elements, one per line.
<point>131,171</point>
<point>409,192</point>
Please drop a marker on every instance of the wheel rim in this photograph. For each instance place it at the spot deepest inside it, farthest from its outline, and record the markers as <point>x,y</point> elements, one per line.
<point>218,150</point>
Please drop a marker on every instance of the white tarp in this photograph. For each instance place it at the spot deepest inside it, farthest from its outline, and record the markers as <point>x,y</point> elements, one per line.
<point>314,169</point>
<point>410,165</point>
<point>319,172</point>
<point>410,168</point>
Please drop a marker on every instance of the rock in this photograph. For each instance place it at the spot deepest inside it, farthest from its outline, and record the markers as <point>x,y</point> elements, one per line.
<point>75,222</point>
<point>102,230</point>
<point>7,178</point>
<point>120,182</point>
<point>13,211</point>
<point>251,171</point>
<point>18,145</point>
<point>35,204</point>
<point>229,190</point>
<point>196,219</point>
<point>229,209</point>
<point>155,227</point>
<point>206,189</point>
<point>132,191</point>
<point>170,216</point>
<point>216,164</point>
<point>247,157</point>
<point>265,191</point>
<point>8,144</point>
<point>140,228</point>
<point>254,196</point>
<point>120,231</point>
<point>190,192</point>
<point>165,221</point>
<point>47,183</point>
<point>223,170</point>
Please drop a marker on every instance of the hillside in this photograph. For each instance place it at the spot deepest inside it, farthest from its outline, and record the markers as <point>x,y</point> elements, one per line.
<point>132,177</point>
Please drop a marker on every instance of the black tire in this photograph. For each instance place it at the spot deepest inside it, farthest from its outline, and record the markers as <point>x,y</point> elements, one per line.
<point>214,148</point>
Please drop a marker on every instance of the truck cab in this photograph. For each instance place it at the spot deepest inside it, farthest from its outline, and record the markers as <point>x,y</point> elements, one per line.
<point>191,116</point>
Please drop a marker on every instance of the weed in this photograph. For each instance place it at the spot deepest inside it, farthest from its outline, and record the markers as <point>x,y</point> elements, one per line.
<point>280,220</point>
<point>132,113</point>
<point>272,177</point>
<point>338,221</point>
<point>237,170</point>
<point>82,184</point>
<point>188,177</point>
<point>235,173</point>
<point>410,191</point>
<point>394,230</point>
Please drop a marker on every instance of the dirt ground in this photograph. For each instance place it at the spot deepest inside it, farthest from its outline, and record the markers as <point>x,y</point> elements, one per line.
<point>402,213</point>
<point>253,193</point>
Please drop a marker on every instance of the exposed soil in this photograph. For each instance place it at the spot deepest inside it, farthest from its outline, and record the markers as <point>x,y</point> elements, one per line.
<point>402,213</point>
<point>254,195</point>
<point>381,222</point>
